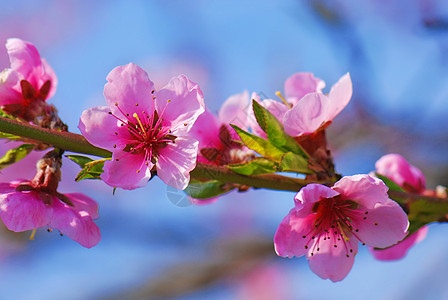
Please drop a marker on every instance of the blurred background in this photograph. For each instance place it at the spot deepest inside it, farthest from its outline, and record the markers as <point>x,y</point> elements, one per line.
<point>397,55</point>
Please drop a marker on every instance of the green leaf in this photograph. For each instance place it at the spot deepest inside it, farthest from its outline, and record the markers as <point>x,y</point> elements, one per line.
<point>390,183</point>
<point>12,137</point>
<point>292,162</point>
<point>3,114</point>
<point>205,190</point>
<point>422,212</point>
<point>259,145</point>
<point>91,170</point>
<point>275,132</point>
<point>80,159</point>
<point>259,165</point>
<point>16,154</point>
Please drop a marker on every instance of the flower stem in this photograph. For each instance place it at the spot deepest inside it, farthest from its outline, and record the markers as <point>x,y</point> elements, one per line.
<point>64,140</point>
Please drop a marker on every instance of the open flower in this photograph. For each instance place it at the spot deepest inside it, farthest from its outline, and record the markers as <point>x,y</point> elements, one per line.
<point>145,130</point>
<point>410,178</point>
<point>315,111</point>
<point>28,82</point>
<point>26,205</point>
<point>296,87</point>
<point>326,224</point>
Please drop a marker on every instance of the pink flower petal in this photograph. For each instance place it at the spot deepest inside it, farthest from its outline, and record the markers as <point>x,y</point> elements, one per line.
<point>300,84</point>
<point>331,262</point>
<point>340,95</point>
<point>49,74</point>
<point>10,90</point>
<point>365,190</point>
<point>185,105</point>
<point>399,250</point>
<point>308,115</point>
<point>24,58</point>
<point>84,203</point>
<point>22,211</point>
<point>176,161</point>
<point>312,193</point>
<point>235,110</point>
<point>395,167</point>
<point>206,130</point>
<point>130,87</point>
<point>77,225</point>
<point>123,173</point>
<point>288,240</point>
<point>386,224</point>
<point>99,127</point>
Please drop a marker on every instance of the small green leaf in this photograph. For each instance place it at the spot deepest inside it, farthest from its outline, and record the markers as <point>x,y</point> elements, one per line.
<point>259,144</point>
<point>275,132</point>
<point>16,154</point>
<point>259,165</point>
<point>292,162</point>
<point>205,190</point>
<point>92,170</point>
<point>80,159</point>
<point>9,136</point>
<point>390,183</point>
<point>3,114</point>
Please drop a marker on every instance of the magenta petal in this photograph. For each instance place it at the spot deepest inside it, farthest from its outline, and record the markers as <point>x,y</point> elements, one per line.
<point>235,110</point>
<point>83,202</point>
<point>23,56</point>
<point>363,189</point>
<point>340,95</point>
<point>10,90</point>
<point>186,103</point>
<point>206,130</point>
<point>332,262</point>
<point>99,127</point>
<point>300,84</point>
<point>288,240</point>
<point>307,115</point>
<point>399,250</point>
<point>395,167</point>
<point>49,74</point>
<point>123,173</point>
<point>176,161</point>
<point>385,225</point>
<point>130,87</point>
<point>77,225</point>
<point>22,211</point>
<point>312,193</point>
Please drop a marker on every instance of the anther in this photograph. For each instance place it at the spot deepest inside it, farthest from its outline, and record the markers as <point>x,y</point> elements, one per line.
<point>117,159</point>
<point>169,100</point>
<point>136,104</point>
<point>376,224</point>
<point>347,255</point>
<point>306,247</point>
<point>365,218</point>
<point>138,171</point>
<point>185,124</point>
<point>366,212</point>
<point>116,104</point>
<point>116,133</point>
<point>304,236</point>
<point>115,146</point>
<point>363,244</point>
<point>61,234</point>
<point>335,245</point>
<point>152,92</point>
<point>351,250</point>
<point>110,113</point>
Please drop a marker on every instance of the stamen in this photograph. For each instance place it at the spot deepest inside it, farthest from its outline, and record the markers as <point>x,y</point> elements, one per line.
<point>283,99</point>
<point>33,233</point>
<point>139,122</point>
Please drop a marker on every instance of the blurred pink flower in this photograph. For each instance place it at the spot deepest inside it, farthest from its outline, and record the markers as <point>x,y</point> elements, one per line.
<point>395,167</point>
<point>216,137</point>
<point>24,207</point>
<point>300,84</point>
<point>144,128</point>
<point>30,79</point>
<point>326,224</point>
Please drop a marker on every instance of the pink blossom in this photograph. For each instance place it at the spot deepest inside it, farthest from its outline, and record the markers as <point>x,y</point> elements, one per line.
<point>395,167</point>
<point>24,208</point>
<point>145,130</point>
<point>315,111</point>
<point>326,224</point>
<point>30,78</point>
<point>216,137</point>
<point>300,84</point>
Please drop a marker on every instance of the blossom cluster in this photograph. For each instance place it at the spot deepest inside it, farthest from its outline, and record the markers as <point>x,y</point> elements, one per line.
<point>170,132</point>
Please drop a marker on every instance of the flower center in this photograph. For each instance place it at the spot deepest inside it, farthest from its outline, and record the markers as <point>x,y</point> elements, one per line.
<point>145,135</point>
<point>333,223</point>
